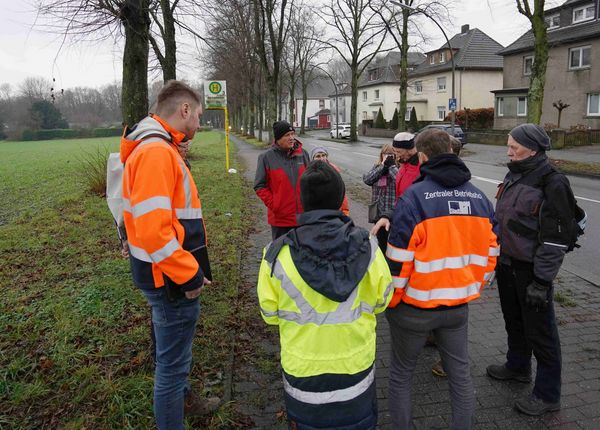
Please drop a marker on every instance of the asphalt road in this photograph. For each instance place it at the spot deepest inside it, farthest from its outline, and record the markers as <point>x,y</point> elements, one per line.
<point>486,167</point>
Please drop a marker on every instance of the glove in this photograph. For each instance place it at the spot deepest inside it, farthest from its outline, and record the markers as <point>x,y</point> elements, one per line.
<point>536,295</point>
<point>389,161</point>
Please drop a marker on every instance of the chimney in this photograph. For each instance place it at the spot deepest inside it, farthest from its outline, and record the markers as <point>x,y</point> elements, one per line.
<point>464,29</point>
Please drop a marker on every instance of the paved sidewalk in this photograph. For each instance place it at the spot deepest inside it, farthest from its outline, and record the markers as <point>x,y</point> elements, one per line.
<point>259,394</point>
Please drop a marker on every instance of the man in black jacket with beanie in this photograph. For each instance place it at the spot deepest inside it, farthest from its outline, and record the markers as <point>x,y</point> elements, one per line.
<point>535,209</point>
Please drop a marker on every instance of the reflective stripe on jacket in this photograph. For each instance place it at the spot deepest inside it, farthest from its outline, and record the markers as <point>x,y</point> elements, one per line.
<point>162,210</point>
<point>442,247</point>
<point>319,335</point>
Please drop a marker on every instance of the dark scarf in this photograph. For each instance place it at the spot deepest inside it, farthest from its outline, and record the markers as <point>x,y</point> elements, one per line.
<point>525,166</point>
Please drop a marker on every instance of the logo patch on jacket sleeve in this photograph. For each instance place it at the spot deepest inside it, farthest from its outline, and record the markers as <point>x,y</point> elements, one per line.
<point>459,208</point>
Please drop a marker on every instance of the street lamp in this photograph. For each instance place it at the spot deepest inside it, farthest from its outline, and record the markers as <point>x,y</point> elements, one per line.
<point>419,10</point>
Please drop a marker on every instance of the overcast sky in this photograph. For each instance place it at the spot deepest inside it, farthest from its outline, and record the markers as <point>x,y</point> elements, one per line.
<point>26,51</point>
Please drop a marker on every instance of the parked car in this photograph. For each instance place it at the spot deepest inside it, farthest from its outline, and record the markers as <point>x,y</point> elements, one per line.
<point>341,131</point>
<point>458,132</point>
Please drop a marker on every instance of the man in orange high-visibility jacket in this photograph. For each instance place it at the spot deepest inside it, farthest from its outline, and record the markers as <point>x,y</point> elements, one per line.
<point>165,231</point>
<point>441,251</point>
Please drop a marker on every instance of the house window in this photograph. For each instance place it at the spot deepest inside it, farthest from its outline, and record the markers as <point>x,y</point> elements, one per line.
<point>321,104</point>
<point>593,107</point>
<point>522,106</point>
<point>364,114</point>
<point>584,13</point>
<point>364,96</point>
<point>441,112</point>
<point>418,87</point>
<point>408,111</point>
<point>431,59</point>
<point>374,115</point>
<point>553,21</point>
<point>441,83</point>
<point>442,57</point>
<point>527,65</point>
<point>329,118</point>
<point>376,94</point>
<point>500,106</point>
<point>580,57</point>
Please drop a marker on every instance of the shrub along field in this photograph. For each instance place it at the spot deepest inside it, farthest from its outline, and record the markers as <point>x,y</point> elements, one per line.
<point>74,332</point>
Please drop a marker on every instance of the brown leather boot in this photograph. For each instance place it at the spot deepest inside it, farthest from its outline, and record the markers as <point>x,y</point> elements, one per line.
<point>194,405</point>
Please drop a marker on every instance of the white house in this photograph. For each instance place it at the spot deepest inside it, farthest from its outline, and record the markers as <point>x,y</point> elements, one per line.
<point>478,71</point>
<point>317,100</point>
<point>379,86</point>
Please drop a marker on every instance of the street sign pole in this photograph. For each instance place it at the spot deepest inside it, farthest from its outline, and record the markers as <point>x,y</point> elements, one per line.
<point>215,97</point>
<point>226,139</point>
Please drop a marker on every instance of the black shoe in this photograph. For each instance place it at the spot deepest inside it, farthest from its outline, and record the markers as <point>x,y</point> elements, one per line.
<point>534,406</point>
<point>503,373</point>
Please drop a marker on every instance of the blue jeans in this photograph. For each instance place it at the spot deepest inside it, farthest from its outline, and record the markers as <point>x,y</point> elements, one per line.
<point>174,326</point>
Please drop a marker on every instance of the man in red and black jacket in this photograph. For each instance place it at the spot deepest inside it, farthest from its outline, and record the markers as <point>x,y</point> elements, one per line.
<point>277,180</point>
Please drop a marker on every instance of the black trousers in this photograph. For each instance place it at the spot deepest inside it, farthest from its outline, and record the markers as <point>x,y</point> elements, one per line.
<point>382,239</point>
<point>530,330</point>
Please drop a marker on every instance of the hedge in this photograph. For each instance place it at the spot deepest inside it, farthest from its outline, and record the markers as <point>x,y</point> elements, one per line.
<point>59,133</point>
<point>107,132</point>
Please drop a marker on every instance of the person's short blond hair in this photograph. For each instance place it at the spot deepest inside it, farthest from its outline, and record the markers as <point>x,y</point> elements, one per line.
<point>385,148</point>
<point>173,94</point>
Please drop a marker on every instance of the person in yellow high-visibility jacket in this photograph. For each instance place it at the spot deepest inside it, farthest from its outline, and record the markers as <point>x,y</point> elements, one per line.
<point>323,284</point>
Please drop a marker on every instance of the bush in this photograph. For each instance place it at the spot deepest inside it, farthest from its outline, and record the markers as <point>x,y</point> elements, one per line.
<point>107,132</point>
<point>58,133</point>
<point>413,123</point>
<point>380,121</point>
<point>93,169</point>
<point>394,121</point>
<point>474,118</point>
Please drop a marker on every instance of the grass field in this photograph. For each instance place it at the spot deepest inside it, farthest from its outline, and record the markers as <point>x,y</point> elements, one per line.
<point>74,332</point>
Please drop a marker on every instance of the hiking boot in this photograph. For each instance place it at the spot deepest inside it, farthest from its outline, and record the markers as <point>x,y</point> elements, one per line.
<point>534,406</point>
<point>503,373</point>
<point>194,405</point>
<point>438,370</point>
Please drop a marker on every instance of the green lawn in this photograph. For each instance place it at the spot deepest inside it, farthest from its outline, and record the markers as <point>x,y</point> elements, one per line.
<point>74,332</point>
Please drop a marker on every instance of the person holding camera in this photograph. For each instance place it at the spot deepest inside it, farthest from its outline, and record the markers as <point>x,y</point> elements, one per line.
<point>382,180</point>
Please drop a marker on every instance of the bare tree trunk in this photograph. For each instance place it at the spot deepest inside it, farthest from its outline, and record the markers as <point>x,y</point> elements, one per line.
<point>134,98</point>
<point>538,72</point>
<point>304,101</point>
<point>169,66</point>
<point>403,71</point>
<point>537,81</point>
<point>353,104</point>
<point>259,103</point>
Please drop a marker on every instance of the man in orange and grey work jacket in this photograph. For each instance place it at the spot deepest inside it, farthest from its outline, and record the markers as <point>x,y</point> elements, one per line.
<point>165,231</point>
<point>441,251</point>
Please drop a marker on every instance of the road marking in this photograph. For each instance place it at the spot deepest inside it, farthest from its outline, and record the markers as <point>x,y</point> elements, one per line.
<point>366,155</point>
<point>352,152</point>
<point>494,181</point>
